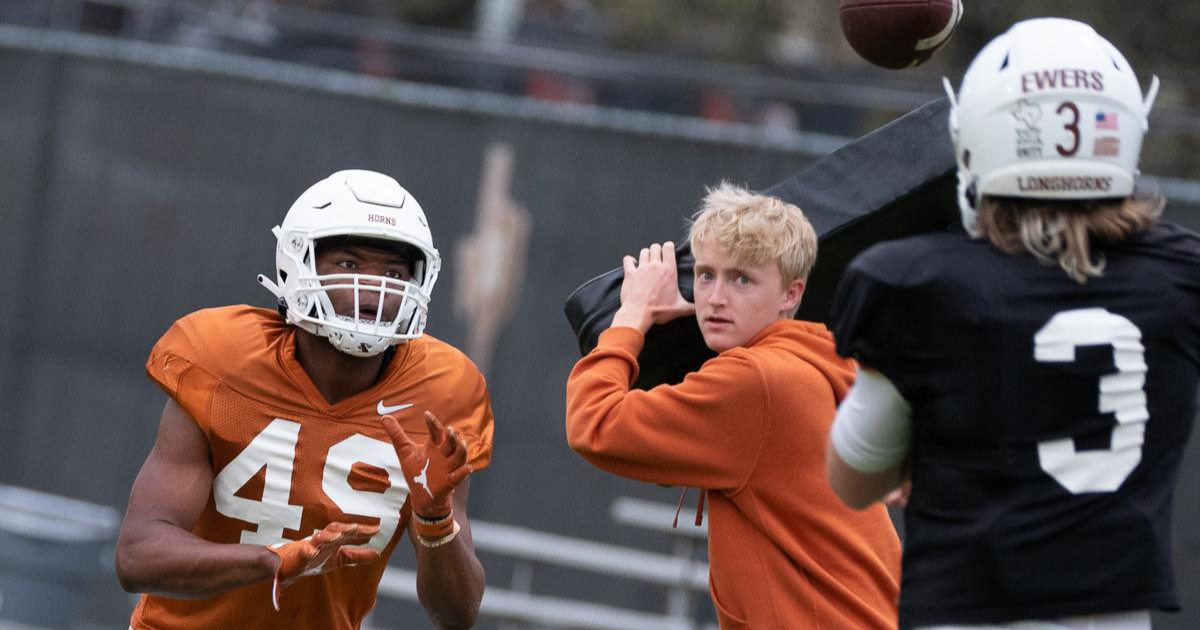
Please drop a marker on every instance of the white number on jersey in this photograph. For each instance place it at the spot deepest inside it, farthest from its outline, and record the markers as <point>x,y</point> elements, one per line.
<point>1121,393</point>
<point>335,482</point>
<point>275,448</point>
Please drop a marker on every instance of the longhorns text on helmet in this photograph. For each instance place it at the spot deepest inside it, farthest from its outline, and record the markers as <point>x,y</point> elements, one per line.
<point>353,203</point>
<point>1048,110</point>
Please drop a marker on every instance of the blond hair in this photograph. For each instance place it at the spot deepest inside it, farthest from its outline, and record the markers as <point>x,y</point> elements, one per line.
<point>1065,233</point>
<point>755,229</point>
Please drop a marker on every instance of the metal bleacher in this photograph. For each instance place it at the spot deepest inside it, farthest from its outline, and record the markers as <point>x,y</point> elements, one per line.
<point>683,576</point>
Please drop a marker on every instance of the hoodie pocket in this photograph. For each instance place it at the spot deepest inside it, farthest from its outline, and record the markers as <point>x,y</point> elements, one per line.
<point>726,617</point>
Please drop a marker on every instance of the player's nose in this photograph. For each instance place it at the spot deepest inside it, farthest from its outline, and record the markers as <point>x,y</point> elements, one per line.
<point>716,294</point>
<point>369,277</point>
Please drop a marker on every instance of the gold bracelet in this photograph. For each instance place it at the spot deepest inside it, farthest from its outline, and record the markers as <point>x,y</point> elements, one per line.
<point>438,542</point>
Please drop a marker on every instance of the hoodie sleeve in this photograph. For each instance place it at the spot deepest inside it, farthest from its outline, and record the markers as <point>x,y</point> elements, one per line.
<point>706,432</point>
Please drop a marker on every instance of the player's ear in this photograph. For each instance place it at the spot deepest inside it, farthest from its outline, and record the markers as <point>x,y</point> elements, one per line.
<point>792,294</point>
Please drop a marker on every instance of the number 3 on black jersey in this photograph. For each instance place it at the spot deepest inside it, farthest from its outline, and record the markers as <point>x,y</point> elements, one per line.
<point>1121,393</point>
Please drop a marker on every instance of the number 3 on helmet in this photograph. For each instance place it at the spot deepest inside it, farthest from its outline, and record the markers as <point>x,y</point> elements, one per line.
<point>363,204</point>
<point>1048,110</point>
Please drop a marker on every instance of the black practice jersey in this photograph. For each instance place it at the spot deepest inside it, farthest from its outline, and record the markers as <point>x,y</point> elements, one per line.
<point>1049,419</point>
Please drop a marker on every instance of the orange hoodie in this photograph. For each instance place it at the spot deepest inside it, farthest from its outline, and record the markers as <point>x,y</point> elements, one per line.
<point>749,427</point>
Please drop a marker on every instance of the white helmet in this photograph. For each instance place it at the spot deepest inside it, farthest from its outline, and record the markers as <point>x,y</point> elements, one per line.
<point>1048,110</point>
<point>354,204</point>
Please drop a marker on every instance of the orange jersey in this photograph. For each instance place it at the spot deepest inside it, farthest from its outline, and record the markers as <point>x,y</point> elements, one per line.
<point>287,463</point>
<point>749,427</point>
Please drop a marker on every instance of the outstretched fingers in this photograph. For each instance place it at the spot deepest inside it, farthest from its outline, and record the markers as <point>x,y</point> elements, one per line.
<point>456,475</point>
<point>437,432</point>
<point>453,449</point>
<point>325,550</point>
<point>336,535</point>
<point>356,555</point>
<point>304,555</point>
<point>404,445</point>
<point>457,457</point>
<point>349,533</point>
<point>447,441</point>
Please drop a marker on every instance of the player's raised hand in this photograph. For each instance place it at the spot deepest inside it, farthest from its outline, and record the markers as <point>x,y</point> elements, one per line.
<point>650,291</point>
<point>433,470</point>
<point>325,550</point>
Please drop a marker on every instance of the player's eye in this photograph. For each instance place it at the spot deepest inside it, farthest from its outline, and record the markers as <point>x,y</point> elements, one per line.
<point>743,281</point>
<point>347,264</point>
<point>395,274</point>
<point>706,275</point>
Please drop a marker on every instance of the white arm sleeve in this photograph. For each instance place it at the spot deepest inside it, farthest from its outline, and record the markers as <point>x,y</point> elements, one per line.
<point>872,431</point>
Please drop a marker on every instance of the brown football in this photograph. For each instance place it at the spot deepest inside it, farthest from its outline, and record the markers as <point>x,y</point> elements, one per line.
<point>899,33</point>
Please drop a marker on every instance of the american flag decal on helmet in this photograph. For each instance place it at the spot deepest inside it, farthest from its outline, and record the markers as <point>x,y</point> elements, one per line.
<point>1106,120</point>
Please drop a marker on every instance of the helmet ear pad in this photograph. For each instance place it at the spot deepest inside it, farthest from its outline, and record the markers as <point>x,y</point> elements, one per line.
<point>1047,110</point>
<point>362,208</point>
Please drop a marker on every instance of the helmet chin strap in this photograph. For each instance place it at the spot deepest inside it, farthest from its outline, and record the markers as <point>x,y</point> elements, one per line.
<point>270,286</point>
<point>950,92</point>
<point>1151,95</point>
<point>280,301</point>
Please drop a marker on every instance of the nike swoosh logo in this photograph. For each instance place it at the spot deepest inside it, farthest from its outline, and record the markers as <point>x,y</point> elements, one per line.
<point>385,409</point>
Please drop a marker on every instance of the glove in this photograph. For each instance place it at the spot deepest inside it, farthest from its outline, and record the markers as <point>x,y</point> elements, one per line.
<point>433,470</point>
<point>324,551</point>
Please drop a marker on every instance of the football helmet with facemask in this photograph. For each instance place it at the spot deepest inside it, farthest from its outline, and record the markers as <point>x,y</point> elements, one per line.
<point>1048,110</point>
<point>354,204</point>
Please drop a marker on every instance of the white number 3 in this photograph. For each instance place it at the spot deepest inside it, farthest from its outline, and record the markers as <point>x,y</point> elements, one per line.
<point>275,449</point>
<point>1121,393</point>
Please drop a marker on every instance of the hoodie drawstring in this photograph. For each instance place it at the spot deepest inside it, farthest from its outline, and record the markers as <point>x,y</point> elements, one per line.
<point>699,508</point>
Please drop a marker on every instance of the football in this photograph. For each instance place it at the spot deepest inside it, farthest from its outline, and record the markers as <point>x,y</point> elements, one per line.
<point>899,34</point>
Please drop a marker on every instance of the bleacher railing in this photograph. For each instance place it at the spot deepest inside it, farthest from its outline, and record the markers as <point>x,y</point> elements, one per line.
<point>683,576</point>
